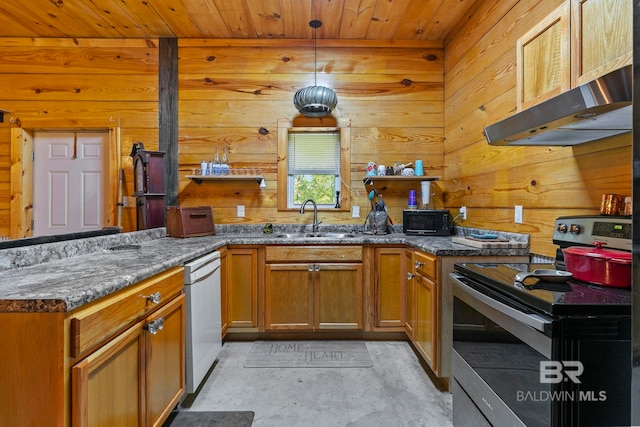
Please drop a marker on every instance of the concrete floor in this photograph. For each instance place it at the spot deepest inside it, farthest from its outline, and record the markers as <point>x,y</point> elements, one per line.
<point>396,391</point>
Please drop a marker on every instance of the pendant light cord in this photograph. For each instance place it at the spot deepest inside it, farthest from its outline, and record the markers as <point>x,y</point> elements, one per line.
<point>315,24</point>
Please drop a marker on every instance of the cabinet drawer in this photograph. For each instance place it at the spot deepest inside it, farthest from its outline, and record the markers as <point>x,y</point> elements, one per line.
<point>313,253</point>
<point>426,265</point>
<point>98,321</point>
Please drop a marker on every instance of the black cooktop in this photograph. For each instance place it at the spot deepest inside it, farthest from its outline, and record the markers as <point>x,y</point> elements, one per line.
<point>572,298</point>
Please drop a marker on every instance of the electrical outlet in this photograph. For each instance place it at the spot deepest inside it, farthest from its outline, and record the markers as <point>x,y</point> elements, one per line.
<point>517,217</point>
<point>240,211</point>
<point>355,211</point>
<point>126,201</point>
<point>463,212</point>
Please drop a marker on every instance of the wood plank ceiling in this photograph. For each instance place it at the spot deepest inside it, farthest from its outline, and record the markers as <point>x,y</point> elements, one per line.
<point>391,20</point>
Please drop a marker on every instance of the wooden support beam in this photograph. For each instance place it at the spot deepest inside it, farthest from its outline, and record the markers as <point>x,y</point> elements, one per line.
<point>168,115</point>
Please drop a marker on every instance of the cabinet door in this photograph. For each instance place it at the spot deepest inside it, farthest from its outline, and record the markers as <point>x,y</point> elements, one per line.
<point>338,296</point>
<point>543,59</point>
<point>410,293</point>
<point>426,328</point>
<point>224,317</point>
<point>242,288</point>
<point>165,360</point>
<point>107,389</point>
<point>389,288</point>
<point>602,37</point>
<point>289,296</point>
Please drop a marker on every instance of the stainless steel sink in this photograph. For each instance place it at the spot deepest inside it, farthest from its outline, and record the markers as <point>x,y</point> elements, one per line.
<point>314,235</point>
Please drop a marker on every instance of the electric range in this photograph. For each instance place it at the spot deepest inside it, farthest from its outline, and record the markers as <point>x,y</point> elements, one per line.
<point>536,353</point>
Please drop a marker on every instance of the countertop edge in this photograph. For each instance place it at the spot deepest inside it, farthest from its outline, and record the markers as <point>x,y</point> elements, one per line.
<point>46,287</point>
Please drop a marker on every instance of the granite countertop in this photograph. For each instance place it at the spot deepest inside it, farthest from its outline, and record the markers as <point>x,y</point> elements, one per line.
<point>64,276</point>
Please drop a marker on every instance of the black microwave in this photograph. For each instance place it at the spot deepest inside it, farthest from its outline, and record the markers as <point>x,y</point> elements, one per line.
<point>426,222</point>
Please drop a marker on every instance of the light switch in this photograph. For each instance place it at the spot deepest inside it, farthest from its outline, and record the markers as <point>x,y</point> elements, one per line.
<point>240,211</point>
<point>518,215</point>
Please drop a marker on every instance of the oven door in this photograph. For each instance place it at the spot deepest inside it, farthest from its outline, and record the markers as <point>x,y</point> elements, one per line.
<point>499,347</point>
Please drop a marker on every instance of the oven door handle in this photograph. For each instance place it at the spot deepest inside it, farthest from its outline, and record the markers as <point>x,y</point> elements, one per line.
<point>534,320</point>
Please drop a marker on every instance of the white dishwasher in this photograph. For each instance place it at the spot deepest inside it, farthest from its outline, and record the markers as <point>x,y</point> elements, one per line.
<point>204,321</point>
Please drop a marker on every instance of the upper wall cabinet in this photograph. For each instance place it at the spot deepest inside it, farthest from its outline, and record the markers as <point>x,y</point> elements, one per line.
<point>602,38</point>
<point>543,59</point>
<point>576,43</point>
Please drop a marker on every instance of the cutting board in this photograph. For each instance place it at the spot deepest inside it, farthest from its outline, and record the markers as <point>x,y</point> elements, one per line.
<point>489,244</point>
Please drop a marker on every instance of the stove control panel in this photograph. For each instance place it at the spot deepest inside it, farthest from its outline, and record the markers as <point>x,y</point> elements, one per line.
<point>614,231</point>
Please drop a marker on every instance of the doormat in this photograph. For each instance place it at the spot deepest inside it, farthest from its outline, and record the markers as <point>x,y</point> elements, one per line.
<point>202,419</point>
<point>308,354</point>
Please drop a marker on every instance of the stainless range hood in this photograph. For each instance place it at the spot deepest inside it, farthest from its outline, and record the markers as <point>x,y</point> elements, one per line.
<point>595,110</point>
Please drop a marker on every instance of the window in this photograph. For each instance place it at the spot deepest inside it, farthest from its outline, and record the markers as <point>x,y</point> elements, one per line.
<point>313,168</point>
<point>314,163</point>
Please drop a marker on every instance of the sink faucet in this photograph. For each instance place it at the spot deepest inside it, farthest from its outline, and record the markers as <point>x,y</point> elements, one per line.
<point>315,214</point>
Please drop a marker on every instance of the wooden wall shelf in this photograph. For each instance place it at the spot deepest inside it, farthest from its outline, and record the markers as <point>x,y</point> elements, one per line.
<point>400,178</point>
<point>198,179</point>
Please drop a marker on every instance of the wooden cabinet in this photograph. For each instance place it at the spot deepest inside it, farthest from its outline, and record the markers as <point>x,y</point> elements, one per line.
<point>543,59</point>
<point>289,293</point>
<point>579,41</point>
<point>134,377</point>
<point>106,385</point>
<point>424,304</point>
<point>426,329</point>
<point>338,296</point>
<point>98,364</point>
<point>224,314</point>
<point>313,287</point>
<point>410,293</point>
<point>602,37</point>
<point>164,360</point>
<point>389,288</point>
<point>242,288</point>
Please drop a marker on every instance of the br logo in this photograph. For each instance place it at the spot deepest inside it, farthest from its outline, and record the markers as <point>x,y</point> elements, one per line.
<point>554,372</point>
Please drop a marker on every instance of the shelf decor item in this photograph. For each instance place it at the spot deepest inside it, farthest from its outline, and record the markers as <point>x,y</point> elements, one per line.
<point>315,101</point>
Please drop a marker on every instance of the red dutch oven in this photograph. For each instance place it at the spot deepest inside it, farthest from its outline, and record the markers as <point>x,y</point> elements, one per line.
<point>601,266</point>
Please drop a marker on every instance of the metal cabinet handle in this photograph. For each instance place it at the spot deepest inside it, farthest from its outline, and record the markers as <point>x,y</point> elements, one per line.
<point>310,267</point>
<point>418,264</point>
<point>410,275</point>
<point>154,298</point>
<point>313,267</point>
<point>155,326</point>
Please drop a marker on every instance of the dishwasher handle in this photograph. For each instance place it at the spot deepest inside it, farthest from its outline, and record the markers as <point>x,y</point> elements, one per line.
<point>201,268</point>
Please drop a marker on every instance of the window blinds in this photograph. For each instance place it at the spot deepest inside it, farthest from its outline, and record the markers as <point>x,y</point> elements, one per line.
<point>314,153</point>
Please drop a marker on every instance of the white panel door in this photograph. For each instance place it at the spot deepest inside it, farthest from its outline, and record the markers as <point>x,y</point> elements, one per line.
<point>68,181</point>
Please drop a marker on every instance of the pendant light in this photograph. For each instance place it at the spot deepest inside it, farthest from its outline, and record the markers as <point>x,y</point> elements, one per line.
<point>315,101</point>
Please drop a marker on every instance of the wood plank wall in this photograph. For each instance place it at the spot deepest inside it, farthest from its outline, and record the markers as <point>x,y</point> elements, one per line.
<point>400,104</point>
<point>78,84</point>
<point>480,87</point>
<point>229,90</point>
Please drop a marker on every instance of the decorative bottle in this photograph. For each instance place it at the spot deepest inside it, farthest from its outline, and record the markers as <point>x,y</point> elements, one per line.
<point>224,166</point>
<point>216,164</point>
